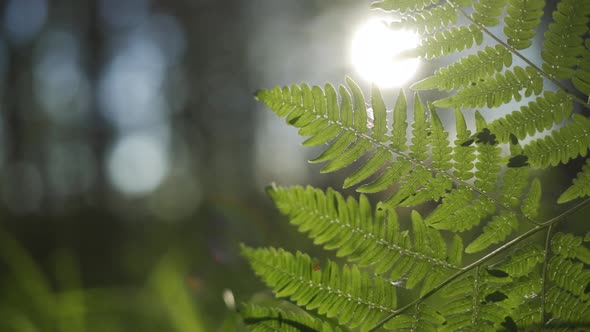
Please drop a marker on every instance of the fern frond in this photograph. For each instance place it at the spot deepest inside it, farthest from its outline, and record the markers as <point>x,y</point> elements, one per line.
<point>581,79</point>
<point>527,316</point>
<point>400,123</point>
<point>567,307</point>
<point>497,90</point>
<point>403,5</point>
<point>367,237</point>
<point>445,42</point>
<point>260,318</point>
<point>541,114</point>
<point>568,142</point>
<point>495,231</point>
<point>467,70</point>
<point>488,157</point>
<point>463,154</point>
<point>353,297</point>
<point>532,202</point>
<point>580,186</point>
<point>486,12</point>
<point>466,308</point>
<point>431,19</point>
<point>563,40</point>
<point>522,261</point>
<point>519,290</point>
<point>420,131</point>
<point>522,19</point>
<point>569,276</point>
<point>570,246</point>
<point>423,319</point>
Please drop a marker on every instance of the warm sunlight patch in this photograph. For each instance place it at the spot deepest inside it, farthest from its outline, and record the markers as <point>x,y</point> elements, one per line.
<point>374,47</point>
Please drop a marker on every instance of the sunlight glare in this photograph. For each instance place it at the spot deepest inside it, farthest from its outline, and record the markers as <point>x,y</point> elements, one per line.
<point>373,49</point>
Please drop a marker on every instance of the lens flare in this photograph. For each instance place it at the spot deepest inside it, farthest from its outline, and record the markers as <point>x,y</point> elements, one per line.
<point>374,47</point>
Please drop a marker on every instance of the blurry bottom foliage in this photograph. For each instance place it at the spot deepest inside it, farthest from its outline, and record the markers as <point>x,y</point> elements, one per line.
<point>54,299</point>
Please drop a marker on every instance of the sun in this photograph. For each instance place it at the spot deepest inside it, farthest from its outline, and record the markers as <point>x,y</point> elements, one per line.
<point>374,47</point>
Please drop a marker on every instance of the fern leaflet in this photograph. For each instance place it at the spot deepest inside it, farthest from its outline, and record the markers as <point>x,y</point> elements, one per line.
<point>524,16</point>
<point>486,12</point>
<point>500,89</point>
<point>448,41</point>
<point>260,318</point>
<point>353,297</point>
<point>367,237</point>
<point>568,142</point>
<point>580,186</point>
<point>403,5</point>
<point>563,41</point>
<point>539,115</point>
<point>467,70</point>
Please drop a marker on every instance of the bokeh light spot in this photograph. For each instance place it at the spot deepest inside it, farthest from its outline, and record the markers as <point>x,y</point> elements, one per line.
<point>24,19</point>
<point>137,164</point>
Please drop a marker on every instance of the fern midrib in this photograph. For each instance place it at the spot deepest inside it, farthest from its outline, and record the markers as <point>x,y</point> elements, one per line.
<point>522,57</point>
<point>327,288</point>
<point>391,246</point>
<point>416,162</point>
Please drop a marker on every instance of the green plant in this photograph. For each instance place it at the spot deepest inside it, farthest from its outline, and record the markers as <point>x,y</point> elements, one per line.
<point>418,242</point>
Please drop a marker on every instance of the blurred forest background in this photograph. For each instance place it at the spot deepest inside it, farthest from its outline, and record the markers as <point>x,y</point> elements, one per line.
<point>133,157</point>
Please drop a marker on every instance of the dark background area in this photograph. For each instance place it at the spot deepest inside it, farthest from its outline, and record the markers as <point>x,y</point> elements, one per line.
<point>129,133</point>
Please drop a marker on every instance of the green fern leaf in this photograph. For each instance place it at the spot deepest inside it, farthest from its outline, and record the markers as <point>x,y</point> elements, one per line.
<point>376,239</point>
<point>521,289</point>
<point>571,140</point>
<point>569,276</point>
<point>392,174</point>
<point>495,231</point>
<point>445,42</point>
<point>486,12</point>
<point>260,318</point>
<point>441,149</point>
<point>353,297</point>
<point>420,131</point>
<point>467,70</point>
<point>466,216</point>
<point>532,202</point>
<point>522,19</point>
<point>423,319</point>
<point>400,124</point>
<point>580,186</point>
<point>570,246</point>
<point>581,79</point>
<point>377,160</point>
<point>431,19</point>
<point>522,261</point>
<point>466,308</point>
<point>541,114</point>
<point>567,307</point>
<point>563,40</point>
<point>402,5</point>
<point>463,155</point>
<point>501,89</point>
<point>527,316</point>
<point>514,182</point>
<point>379,115</point>
<point>488,159</point>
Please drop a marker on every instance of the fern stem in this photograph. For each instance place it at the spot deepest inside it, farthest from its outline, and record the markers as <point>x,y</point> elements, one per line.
<point>548,224</point>
<point>544,275</point>
<point>525,59</point>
